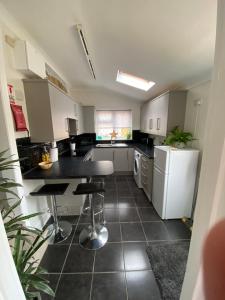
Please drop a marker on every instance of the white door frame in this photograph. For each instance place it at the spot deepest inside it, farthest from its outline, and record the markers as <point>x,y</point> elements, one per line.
<point>10,287</point>
<point>210,202</point>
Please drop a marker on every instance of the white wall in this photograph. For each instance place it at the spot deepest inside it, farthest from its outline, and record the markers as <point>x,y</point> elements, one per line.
<point>196,113</point>
<point>210,203</point>
<point>105,99</point>
<point>14,77</point>
<point>196,116</point>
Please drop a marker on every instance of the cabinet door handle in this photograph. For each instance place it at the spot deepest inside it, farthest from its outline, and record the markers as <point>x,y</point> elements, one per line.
<point>150,123</point>
<point>158,123</point>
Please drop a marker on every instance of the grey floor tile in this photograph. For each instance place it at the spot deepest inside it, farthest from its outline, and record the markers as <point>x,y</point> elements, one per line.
<point>74,286</point>
<point>109,258</point>
<point>86,219</point>
<point>125,202</point>
<point>142,201</point>
<point>110,194</point>
<point>110,186</point>
<point>54,258</point>
<point>120,178</point>
<point>114,232</point>
<point>111,215</point>
<point>123,185</point>
<point>71,219</point>
<point>155,231</point>
<point>128,214</point>
<point>135,256</point>
<point>53,280</point>
<point>142,285</point>
<point>109,286</point>
<point>177,230</point>
<point>132,232</point>
<point>110,202</point>
<point>78,230</point>
<point>79,260</point>
<point>148,214</point>
<point>124,193</point>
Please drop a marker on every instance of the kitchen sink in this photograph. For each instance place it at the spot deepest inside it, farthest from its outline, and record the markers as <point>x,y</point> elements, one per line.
<point>111,145</point>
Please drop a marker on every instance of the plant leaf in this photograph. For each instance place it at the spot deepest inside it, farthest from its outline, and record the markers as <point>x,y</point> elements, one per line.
<point>42,286</point>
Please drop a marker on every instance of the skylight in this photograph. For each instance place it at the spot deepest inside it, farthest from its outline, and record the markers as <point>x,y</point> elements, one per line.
<point>134,81</point>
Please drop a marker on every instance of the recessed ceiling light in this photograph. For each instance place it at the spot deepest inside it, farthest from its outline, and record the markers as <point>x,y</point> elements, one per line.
<point>134,81</point>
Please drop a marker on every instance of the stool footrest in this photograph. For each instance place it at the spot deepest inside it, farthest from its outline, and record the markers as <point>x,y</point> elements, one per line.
<point>89,188</point>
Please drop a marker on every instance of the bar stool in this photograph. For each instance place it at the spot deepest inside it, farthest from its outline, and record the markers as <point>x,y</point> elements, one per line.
<point>61,230</point>
<point>99,205</point>
<point>94,236</point>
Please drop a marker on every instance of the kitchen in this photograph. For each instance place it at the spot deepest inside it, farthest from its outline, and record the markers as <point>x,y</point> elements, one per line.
<point>52,116</point>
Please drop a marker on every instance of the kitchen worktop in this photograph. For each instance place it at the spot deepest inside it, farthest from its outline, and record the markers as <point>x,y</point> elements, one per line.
<point>147,150</point>
<point>77,167</point>
<point>72,167</point>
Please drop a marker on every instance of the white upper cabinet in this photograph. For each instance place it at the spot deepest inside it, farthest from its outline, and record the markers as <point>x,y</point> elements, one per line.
<point>89,119</point>
<point>28,59</point>
<point>48,110</point>
<point>160,115</point>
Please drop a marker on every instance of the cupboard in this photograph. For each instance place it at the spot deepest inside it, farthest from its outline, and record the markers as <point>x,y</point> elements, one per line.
<point>48,110</point>
<point>162,114</point>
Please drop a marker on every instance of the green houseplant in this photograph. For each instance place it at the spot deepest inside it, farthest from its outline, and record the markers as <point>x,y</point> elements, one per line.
<point>178,138</point>
<point>24,241</point>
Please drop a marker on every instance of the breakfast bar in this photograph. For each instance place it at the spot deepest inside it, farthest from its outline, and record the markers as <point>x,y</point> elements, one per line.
<point>71,167</point>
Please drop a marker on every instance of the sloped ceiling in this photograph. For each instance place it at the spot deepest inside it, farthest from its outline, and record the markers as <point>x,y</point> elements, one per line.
<point>170,42</point>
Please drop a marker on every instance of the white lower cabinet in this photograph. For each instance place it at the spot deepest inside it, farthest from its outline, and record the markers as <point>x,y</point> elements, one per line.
<point>103,154</point>
<point>122,158</point>
<point>147,175</point>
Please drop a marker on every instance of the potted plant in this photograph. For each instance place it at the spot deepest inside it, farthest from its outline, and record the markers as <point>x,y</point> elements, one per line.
<point>178,138</point>
<point>24,241</point>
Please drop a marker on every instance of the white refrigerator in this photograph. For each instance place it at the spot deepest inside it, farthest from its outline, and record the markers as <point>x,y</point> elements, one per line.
<point>174,179</point>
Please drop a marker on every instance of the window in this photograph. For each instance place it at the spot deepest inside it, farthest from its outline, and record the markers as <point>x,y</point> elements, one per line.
<point>119,121</point>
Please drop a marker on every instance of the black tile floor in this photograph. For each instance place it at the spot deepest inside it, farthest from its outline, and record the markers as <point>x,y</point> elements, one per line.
<point>121,269</point>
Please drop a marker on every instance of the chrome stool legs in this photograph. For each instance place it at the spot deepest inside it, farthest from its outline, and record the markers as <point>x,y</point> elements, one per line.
<point>95,235</point>
<point>60,230</point>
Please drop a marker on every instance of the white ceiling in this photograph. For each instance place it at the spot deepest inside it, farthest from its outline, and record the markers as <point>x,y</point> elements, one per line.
<point>170,42</point>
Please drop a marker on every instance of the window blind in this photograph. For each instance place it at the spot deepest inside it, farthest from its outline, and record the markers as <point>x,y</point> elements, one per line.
<point>119,121</point>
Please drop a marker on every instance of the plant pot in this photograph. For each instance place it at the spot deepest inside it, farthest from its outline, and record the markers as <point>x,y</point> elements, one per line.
<point>180,145</point>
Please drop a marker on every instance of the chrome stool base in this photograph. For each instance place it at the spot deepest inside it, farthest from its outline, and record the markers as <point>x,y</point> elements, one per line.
<point>63,232</point>
<point>93,239</point>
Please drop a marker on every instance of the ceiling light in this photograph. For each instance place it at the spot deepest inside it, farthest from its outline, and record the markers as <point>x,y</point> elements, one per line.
<point>85,48</point>
<point>134,81</point>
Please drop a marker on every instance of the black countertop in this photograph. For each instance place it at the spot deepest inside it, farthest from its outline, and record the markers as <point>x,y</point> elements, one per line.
<point>71,167</point>
<point>147,150</point>
<point>77,167</point>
